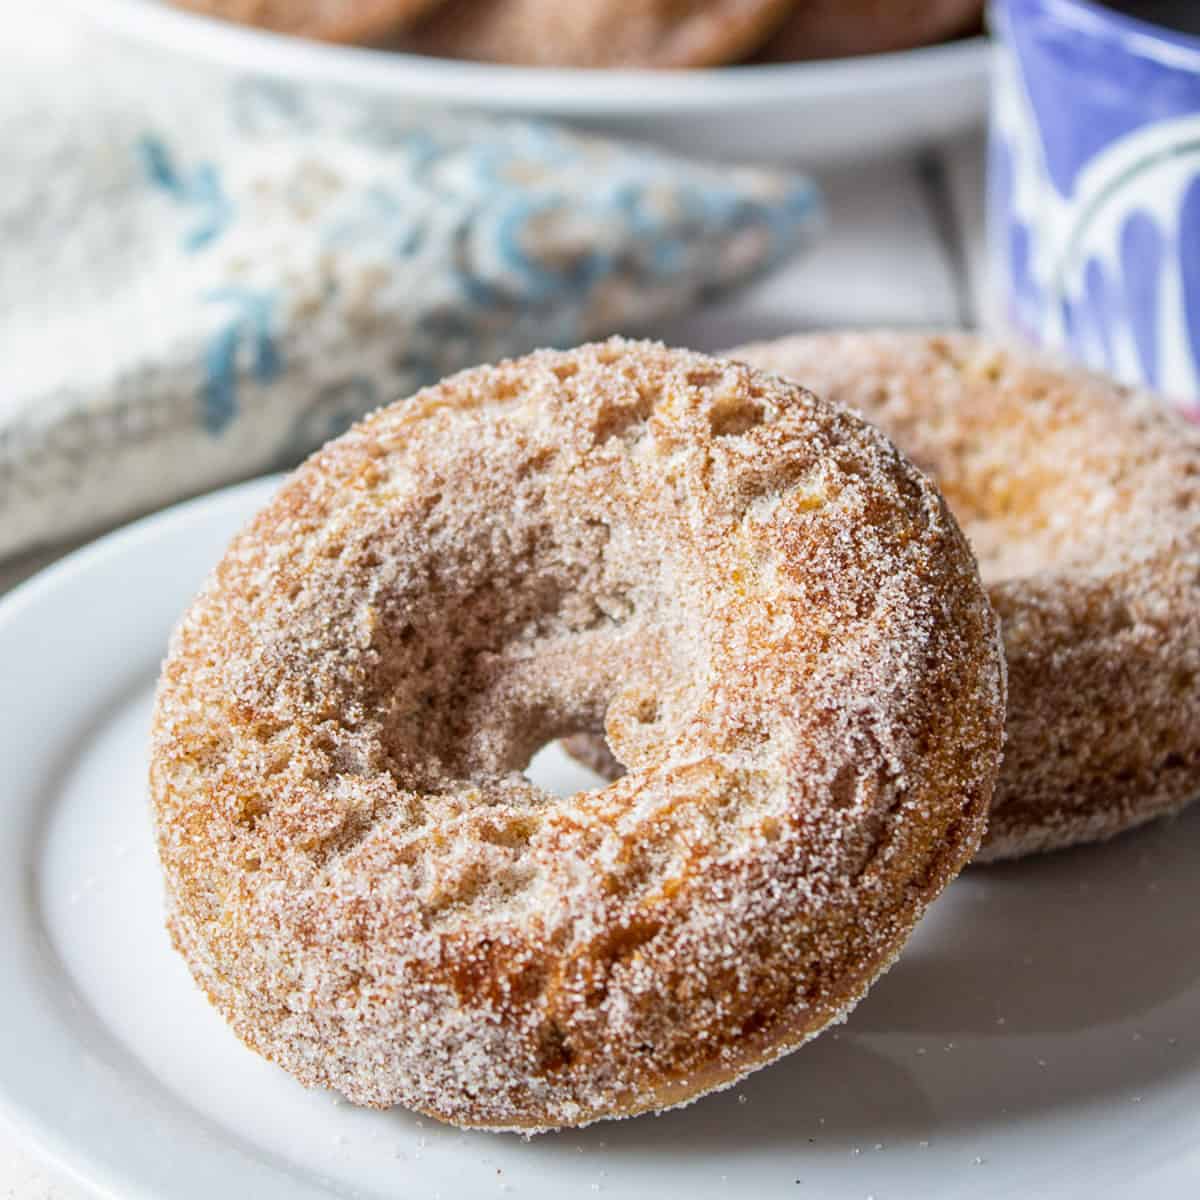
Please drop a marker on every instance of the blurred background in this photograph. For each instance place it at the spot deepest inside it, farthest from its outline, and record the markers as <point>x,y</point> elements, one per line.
<point>225,240</point>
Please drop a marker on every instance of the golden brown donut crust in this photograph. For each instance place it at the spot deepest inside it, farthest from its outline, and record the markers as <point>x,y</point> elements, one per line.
<point>768,610</point>
<point>1081,499</point>
<point>325,20</point>
<point>841,28</point>
<point>598,33</point>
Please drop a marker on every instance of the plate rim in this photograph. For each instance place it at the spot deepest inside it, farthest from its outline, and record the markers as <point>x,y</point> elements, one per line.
<point>82,558</point>
<point>49,1143</point>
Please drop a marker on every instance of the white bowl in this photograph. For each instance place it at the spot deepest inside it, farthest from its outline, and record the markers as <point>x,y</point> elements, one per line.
<point>804,112</point>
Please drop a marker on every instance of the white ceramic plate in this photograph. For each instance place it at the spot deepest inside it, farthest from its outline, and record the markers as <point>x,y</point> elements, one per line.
<point>811,112</point>
<point>1038,1038</point>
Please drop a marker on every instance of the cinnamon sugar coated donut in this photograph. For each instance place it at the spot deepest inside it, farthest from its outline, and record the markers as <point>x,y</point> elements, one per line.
<point>766,608</point>
<point>1082,501</point>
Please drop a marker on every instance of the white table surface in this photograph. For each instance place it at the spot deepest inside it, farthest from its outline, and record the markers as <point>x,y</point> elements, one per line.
<point>904,249</point>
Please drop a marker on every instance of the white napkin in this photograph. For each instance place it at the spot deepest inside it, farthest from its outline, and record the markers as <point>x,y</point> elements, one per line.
<point>205,276</point>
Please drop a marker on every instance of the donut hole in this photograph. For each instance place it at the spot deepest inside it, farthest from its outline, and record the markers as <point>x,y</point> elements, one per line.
<point>521,617</point>
<point>480,681</point>
<point>557,775</point>
<point>593,752</point>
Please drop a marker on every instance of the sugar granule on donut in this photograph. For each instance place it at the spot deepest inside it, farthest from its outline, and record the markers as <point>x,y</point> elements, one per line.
<point>767,609</point>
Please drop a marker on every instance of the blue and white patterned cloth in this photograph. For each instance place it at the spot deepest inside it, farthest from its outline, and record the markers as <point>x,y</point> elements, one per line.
<point>204,277</point>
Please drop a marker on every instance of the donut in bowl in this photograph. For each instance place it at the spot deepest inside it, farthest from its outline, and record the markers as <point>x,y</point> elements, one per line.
<point>844,28</point>
<point>351,21</point>
<point>597,33</point>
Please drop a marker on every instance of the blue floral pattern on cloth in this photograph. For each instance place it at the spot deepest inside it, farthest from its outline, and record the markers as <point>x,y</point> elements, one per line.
<point>1094,205</point>
<point>233,273</point>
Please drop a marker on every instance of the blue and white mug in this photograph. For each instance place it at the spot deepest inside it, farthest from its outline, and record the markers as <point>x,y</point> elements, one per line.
<point>1094,189</point>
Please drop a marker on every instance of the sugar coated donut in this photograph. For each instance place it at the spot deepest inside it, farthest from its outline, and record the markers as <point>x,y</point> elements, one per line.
<point>1082,501</point>
<point>766,607</point>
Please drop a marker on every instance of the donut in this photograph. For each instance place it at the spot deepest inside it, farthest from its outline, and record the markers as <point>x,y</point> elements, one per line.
<point>841,28</point>
<point>351,21</point>
<point>766,607</point>
<point>598,33</point>
<point>1081,499</point>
